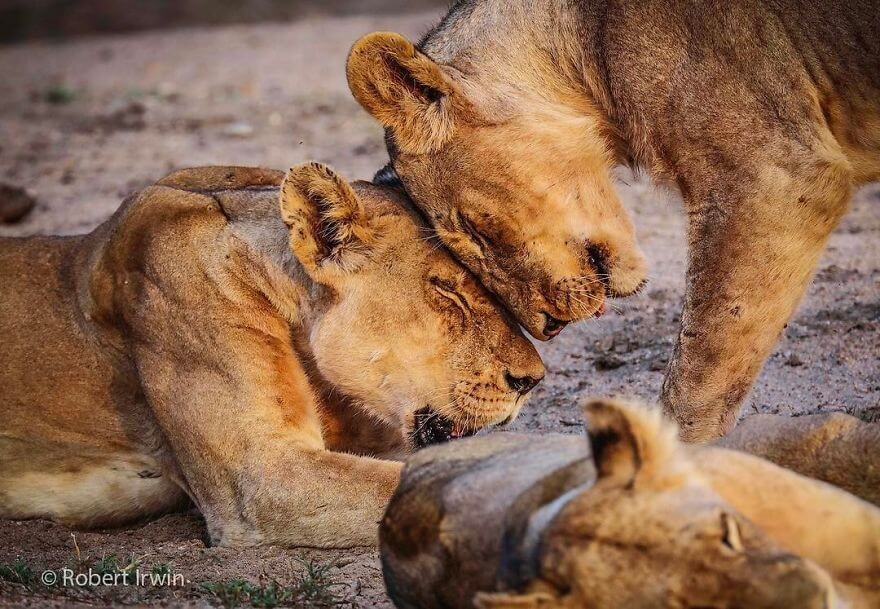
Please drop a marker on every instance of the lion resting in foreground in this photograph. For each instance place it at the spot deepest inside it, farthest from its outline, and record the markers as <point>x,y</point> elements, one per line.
<point>206,343</point>
<point>505,121</point>
<point>510,521</point>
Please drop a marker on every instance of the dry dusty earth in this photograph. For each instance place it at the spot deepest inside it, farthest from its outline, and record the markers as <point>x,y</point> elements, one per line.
<point>84,123</point>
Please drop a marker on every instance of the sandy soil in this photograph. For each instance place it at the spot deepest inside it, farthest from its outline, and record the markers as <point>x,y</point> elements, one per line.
<point>128,109</point>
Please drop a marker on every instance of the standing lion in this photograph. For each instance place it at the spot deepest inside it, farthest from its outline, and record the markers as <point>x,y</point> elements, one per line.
<point>504,124</point>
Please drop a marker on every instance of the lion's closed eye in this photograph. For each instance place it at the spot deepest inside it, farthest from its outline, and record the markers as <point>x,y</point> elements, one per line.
<point>446,289</point>
<point>730,534</point>
<point>469,227</point>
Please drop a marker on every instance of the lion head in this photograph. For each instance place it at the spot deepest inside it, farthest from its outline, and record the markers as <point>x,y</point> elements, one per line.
<point>394,322</point>
<point>652,532</point>
<point>523,198</point>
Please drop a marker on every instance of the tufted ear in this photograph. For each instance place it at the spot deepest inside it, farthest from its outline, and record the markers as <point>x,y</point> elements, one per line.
<point>614,448</point>
<point>403,89</point>
<point>330,231</point>
<point>629,441</point>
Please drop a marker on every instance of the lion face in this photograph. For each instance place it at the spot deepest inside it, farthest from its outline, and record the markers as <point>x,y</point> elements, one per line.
<point>682,548</point>
<point>525,201</point>
<point>404,330</point>
<point>652,533</point>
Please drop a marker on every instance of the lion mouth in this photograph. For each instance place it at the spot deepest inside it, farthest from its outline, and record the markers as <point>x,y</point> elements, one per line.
<point>430,427</point>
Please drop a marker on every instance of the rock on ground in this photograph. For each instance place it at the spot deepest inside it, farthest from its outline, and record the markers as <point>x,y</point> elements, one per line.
<point>15,203</point>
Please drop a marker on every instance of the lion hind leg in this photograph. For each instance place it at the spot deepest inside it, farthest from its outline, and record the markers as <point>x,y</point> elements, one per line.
<point>89,491</point>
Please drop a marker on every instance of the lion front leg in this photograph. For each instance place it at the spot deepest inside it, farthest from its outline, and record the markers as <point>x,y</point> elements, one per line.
<point>312,498</point>
<point>753,248</point>
<point>246,436</point>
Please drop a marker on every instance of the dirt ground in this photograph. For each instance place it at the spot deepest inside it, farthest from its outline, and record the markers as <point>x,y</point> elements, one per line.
<point>84,123</point>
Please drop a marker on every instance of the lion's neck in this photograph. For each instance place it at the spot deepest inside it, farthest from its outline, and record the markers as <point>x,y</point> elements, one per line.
<point>269,267</point>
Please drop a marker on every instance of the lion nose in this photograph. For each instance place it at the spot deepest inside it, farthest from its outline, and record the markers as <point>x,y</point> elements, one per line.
<point>520,384</point>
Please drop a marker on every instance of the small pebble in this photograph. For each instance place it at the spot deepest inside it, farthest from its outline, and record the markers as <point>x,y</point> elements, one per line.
<point>238,129</point>
<point>15,203</point>
<point>608,362</point>
<point>794,361</point>
<point>658,364</point>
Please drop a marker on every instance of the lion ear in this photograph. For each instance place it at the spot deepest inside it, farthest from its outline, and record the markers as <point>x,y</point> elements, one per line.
<point>330,231</point>
<point>614,448</point>
<point>403,89</point>
<point>629,441</point>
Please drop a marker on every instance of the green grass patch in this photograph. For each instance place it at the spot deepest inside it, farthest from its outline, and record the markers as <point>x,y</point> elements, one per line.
<point>314,587</point>
<point>59,94</point>
<point>18,572</point>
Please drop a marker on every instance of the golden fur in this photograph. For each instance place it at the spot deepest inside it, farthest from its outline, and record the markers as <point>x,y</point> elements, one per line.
<point>264,363</point>
<point>505,122</point>
<point>834,447</point>
<point>655,523</point>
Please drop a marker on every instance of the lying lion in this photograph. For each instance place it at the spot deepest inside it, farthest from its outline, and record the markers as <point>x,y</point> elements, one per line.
<point>204,343</point>
<point>510,521</point>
